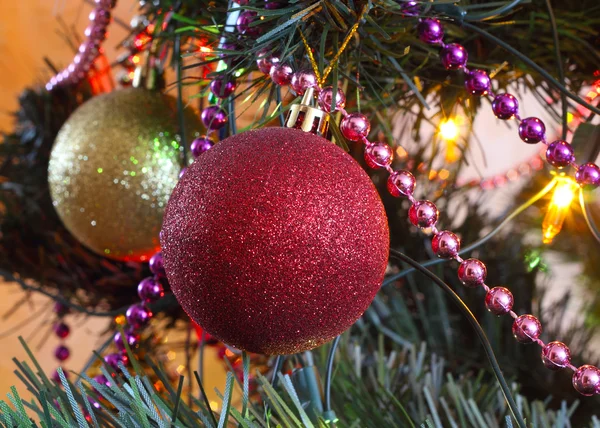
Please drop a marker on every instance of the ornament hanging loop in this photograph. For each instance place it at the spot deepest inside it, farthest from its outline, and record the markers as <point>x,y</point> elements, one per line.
<point>309,118</point>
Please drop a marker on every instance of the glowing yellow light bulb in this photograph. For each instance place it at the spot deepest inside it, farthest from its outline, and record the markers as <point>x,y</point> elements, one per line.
<point>563,195</point>
<point>449,130</point>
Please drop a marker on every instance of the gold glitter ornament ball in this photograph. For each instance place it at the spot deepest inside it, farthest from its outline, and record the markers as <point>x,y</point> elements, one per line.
<point>112,169</point>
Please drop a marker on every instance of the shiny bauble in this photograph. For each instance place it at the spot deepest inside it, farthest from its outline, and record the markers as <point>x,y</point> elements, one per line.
<point>112,168</point>
<point>275,241</point>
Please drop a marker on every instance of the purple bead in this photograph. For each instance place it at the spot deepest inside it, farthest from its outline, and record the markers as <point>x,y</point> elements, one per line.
<point>445,244</point>
<point>423,214</point>
<point>281,74</point>
<point>355,126</point>
<point>100,17</point>
<point>101,379</point>
<point>156,265</point>
<point>430,30</point>
<point>61,353</point>
<point>222,86</point>
<point>505,106</point>
<point>228,46</point>
<point>95,404</point>
<point>499,301</point>
<point>560,154</point>
<point>265,61</point>
<point>214,117</point>
<point>244,21</point>
<point>454,56</point>
<point>62,330</point>
<point>302,80</point>
<point>326,98</point>
<point>138,315</point>
<point>95,34</point>
<point>401,183</point>
<point>270,4</point>
<point>478,82</point>
<point>588,175</point>
<point>378,155</point>
<point>409,7</point>
<point>526,329</point>
<point>532,130</point>
<point>556,355</point>
<point>113,360</point>
<point>586,380</point>
<point>182,172</point>
<point>150,290</point>
<point>472,273</point>
<point>131,338</point>
<point>61,309</point>
<point>200,145</point>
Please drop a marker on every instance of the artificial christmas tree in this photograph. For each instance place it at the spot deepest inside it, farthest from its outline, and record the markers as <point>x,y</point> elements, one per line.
<point>412,357</point>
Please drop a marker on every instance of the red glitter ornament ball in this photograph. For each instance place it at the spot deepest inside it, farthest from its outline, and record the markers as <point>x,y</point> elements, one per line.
<point>275,241</point>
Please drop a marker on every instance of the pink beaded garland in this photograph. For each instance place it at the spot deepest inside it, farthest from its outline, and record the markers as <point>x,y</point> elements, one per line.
<point>556,355</point>
<point>526,329</point>
<point>401,183</point>
<point>355,126</point>
<point>423,214</point>
<point>378,155</point>
<point>445,244</point>
<point>586,380</point>
<point>472,273</point>
<point>499,301</point>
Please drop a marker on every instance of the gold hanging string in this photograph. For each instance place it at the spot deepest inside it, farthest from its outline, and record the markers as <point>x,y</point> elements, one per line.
<point>311,57</point>
<point>329,68</point>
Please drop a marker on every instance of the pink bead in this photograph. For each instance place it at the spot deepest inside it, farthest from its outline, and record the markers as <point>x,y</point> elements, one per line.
<point>302,80</point>
<point>586,380</point>
<point>265,61</point>
<point>499,301</point>
<point>472,273</point>
<point>527,329</point>
<point>556,355</point>
<point>326,99</point>
<point>378,155</point>
<point>445,244</point>
<point>401,183</point>
<point>355,126</point>
<point>281,74</point>
<point>423,214</point>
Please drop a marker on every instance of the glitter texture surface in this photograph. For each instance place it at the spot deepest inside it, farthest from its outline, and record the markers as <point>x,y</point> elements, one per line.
<point>112,169</point>
<point>275,241</point>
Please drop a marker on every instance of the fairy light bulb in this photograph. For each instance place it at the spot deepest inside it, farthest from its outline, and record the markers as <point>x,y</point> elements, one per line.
<point>449,130</point>
<point>564,193</point>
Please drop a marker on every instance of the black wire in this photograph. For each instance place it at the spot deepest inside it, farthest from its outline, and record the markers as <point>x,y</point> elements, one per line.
<point>329,372</point>
<point>480,333</point>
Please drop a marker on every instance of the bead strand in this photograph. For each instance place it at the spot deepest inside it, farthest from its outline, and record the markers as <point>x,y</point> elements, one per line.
<point>532,130</point>
<point>88,50</point>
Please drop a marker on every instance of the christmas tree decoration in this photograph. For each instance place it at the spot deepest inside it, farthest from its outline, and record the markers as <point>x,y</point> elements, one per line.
<point>112,169</point>
<point>275,241</point>
<point>565,189</point>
